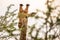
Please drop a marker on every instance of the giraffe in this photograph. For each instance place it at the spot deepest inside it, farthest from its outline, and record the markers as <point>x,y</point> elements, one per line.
<point>22,15</point>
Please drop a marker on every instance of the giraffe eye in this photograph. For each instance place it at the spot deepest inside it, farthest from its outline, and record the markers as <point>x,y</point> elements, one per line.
<point>26,17</point>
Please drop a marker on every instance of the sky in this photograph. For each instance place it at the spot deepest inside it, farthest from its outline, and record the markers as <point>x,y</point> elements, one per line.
<point>34,4</point>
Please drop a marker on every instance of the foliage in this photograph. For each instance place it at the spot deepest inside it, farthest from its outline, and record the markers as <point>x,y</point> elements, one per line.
<point>51,25</point>
<point>7,21</point>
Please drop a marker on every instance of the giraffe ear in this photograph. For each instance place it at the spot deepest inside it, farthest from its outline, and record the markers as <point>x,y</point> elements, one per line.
<point>21,9</point>
<point>26,9</point>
